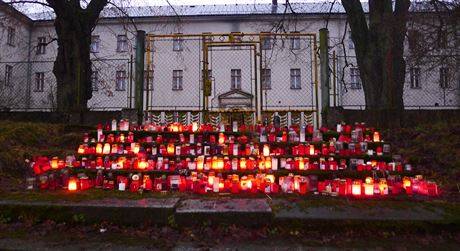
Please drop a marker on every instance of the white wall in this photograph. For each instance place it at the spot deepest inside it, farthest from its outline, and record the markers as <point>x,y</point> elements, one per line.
<point>15,55</point>
<point>280,60</point>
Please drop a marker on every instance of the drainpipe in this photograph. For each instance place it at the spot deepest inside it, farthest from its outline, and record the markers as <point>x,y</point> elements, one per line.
<point>274,6</point>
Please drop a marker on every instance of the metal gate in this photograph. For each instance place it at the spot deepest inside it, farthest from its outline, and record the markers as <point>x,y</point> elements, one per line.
<point>215,78</point>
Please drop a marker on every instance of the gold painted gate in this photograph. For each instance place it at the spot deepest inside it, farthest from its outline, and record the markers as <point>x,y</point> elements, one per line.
<point>248,77</point>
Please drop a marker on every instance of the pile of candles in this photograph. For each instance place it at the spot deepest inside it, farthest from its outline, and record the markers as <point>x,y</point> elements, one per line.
<point>203,183</point>
<point>204,148</point>
<point>205,151</point>
<point>214,163</point>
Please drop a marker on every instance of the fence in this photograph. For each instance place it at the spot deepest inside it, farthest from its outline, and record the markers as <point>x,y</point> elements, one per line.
<point>31,86</point>
<point>431,85</point>
<point>250,77</point>
<point>27,86</point>
<point>113,86</point>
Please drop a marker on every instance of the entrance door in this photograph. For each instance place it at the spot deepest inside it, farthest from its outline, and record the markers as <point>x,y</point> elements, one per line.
<point>230,65</point>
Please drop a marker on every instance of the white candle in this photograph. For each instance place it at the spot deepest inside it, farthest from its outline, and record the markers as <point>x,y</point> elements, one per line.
<point>122,186</point>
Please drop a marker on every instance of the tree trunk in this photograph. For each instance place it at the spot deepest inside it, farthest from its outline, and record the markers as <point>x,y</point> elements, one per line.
<point>379,49</point>
<point>72,67</point>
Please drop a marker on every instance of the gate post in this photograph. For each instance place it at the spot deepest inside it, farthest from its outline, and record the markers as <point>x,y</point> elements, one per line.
<point>325,82</point>
<point>139,74</point>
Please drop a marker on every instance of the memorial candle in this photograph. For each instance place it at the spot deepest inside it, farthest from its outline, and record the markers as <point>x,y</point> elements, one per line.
<point>356,188</point>
<point>266,150</point>
<point>72,186</point>
<point>376,137</point>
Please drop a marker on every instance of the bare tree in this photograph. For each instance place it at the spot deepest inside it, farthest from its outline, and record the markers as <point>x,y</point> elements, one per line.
<point>74,24</point>
<point>379,46</point>
<point>434,42</point>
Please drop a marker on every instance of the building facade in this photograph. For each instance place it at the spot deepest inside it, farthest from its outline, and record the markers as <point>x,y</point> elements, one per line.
<point>281,73</point>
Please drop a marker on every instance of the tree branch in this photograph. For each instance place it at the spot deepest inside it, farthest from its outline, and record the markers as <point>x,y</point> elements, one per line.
<point>358,25</point>
<point>94,9</point>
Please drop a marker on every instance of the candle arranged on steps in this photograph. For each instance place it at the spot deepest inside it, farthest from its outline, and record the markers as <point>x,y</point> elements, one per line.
<point>258,150</point>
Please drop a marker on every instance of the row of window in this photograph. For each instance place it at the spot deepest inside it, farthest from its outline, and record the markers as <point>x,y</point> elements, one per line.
<point>122,42</point>
<point>39,79</point>
<point>121,79</point>
<point>178,43</point>
<point>11,40</point>
<point>414,40</point>
<point>236,79</point>
<point>414,76</point>
<point>266,42</point>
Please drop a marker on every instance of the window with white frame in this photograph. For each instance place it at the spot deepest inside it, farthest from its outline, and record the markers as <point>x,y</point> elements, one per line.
<point>178,42</point>
<point>120,80</point>
<point>202,76</point>
<point>8,75</point>
<point>355,79</point>
<point>266,79</point>
<point>266,41</point>
<point>39,81</point>
<point>235,79</point>
<point>11,36</point>
<point>122,43</point>
<point>295,42</point>
<point>177,80</point>
<point>444,77</point>
<point>295,79</point>
<point>41,46</point>
<point>148,80</point>
<point>95,40</point>
<point>414,73</point>
<point>95,80</point>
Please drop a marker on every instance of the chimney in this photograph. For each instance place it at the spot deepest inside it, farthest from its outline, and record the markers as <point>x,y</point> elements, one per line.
<point>274,6</point>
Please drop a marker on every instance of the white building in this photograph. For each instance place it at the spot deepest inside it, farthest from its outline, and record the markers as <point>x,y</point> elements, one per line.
<point>286,65</point>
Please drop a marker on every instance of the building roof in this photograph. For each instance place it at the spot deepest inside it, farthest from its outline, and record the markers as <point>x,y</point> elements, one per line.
<point>213,10</point>
<point>11,10</point>
<point>305,8</point>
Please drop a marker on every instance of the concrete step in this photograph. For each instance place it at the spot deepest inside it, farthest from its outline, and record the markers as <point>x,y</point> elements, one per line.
<point>149,211</point>
<point>247,212</point>
<point>226,210</point>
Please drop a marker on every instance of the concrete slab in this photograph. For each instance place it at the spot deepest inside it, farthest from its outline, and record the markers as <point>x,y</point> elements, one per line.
<point>224,206</point>
<point>143,211</point>
<point>248,212</point>
<point>108,203</point>
<point>348,212</point>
